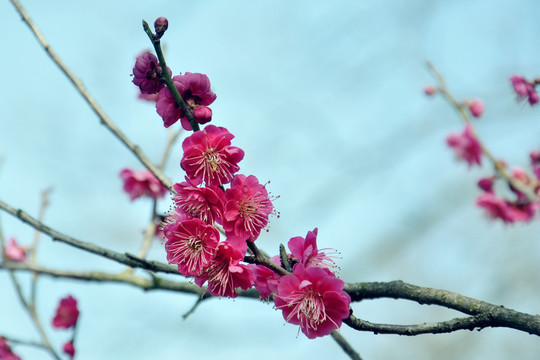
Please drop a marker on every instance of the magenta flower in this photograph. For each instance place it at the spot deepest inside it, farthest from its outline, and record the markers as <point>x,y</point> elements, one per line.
<point>314,299</point>
<point>201,203</point>
<point>305,251</point>
<point>486,184</point>
<point>66,313</point>
<point>192,245</point>
<point>142,183</point>
<point>194,88</point>
<point>160,25</point>
<point>535,163</point>
<point>226,273</point>
<point>247,208</point>
<point>524,89</point>
<point>147,74</point>
<point>5,351</point>
<point>14,252</point>
<point>508,212</point>
<point>209,156</point>
<point>69,349</point>
<point>466,146</point>
<point>476,107</point>
<point>264,280</point>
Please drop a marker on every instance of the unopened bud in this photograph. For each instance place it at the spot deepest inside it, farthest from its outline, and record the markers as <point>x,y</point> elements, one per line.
<point>160,25</point>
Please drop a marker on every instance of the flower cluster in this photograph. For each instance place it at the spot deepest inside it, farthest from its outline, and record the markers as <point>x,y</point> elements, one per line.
<point>214,195</point>
<point>466,146</point>
<point>521,209</point>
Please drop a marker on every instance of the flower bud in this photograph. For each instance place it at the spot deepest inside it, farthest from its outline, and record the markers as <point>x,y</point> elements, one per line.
<point>430,90</point>
<point>160,26</point>
<point>476,107</point>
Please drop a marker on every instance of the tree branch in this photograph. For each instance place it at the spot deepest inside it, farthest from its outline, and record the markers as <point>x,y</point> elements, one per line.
<point>498,316</point>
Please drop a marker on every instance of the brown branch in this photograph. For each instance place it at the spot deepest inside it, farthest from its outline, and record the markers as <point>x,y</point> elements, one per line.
<point>498,316</point>
<point>105,120</point>
<point>345,346</point>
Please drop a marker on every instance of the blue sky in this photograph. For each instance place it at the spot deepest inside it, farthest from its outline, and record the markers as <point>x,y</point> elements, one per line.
<point>326,100</point>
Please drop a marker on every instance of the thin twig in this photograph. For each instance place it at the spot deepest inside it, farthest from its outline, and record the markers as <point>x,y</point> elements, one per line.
<point>345,346</point>
<point>37,234</point>
<point>105,120</point>
<point>127,259</point>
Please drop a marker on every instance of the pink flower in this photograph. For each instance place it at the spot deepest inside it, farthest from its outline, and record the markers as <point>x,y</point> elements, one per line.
<point>314,299</point>
<point>141,183</point>
<point>305,251</point>
<point>226,273</point>
<point>247,208</point>
<point>160,25</point>
<point>508,212</point>
<point>66,313</point>
<point>5,351</point>
<point>524,89</point>
<point>264,280</point>
<point>147,74</point>
<point>14,252</point>
<point>194,88</point>
<point>148,97</point>
<point>201,203</point>
<point>192,245</point>
<point>209,156</point>
<point>466,146</point>
<point>69,349</point>
<point>476,107</point>
<point>430,90</point>
<point>535,163</point>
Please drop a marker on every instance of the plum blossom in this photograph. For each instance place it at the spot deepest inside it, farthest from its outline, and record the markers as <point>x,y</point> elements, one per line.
<point>204,203</point>
<point>430,90</point>
<point>14,251</point>
<point>66,313</point>
<point>524,89</point>
<point>209,156</point>
<point>264,279</point>
<point>305,251</point>
<point>69,349</point>
<point>313,298</point>
<point>160,25</point>
<point>225,272</point>
<point>147,74</point>
<point>141,183</point>
<point>476,107</point>
<point>247,208</point>
<point>508,212</point>
<point>466,146</point>
<point>194,88</point>
<point>5,351</point>
<point>192,245</point>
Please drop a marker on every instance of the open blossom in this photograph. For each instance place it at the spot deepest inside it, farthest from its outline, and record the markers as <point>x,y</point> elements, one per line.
<point>69,349</point>
<point>524,89</point>
<point>476,107</point>
<point>192,245</point>
<point>466,146</point>
<point>313,298</point>
<point>508,212</point>
<point>305,251</point>
<point>66,313</point>
<point>225,272</point>
<point>147,74</point>
<point>14,252</point>
<point>5,351</point>
<point>194,88</point>
<point>209,156</point>
<point>141,183</point>
<point>247,208</point>
<point>204,203</point>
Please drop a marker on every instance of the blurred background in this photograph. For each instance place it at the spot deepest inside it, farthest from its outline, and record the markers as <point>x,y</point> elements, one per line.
<point>326,99</point>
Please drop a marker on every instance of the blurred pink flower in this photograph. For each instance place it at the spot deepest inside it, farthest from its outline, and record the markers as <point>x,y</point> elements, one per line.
<point>476,107</point>
<point>69,349</point>
<point>66,313</point>
<point>5,351</point>
<point>524,89</point>
<point>141,183</point>
<point>14,252</point>
<point>466,146</point>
